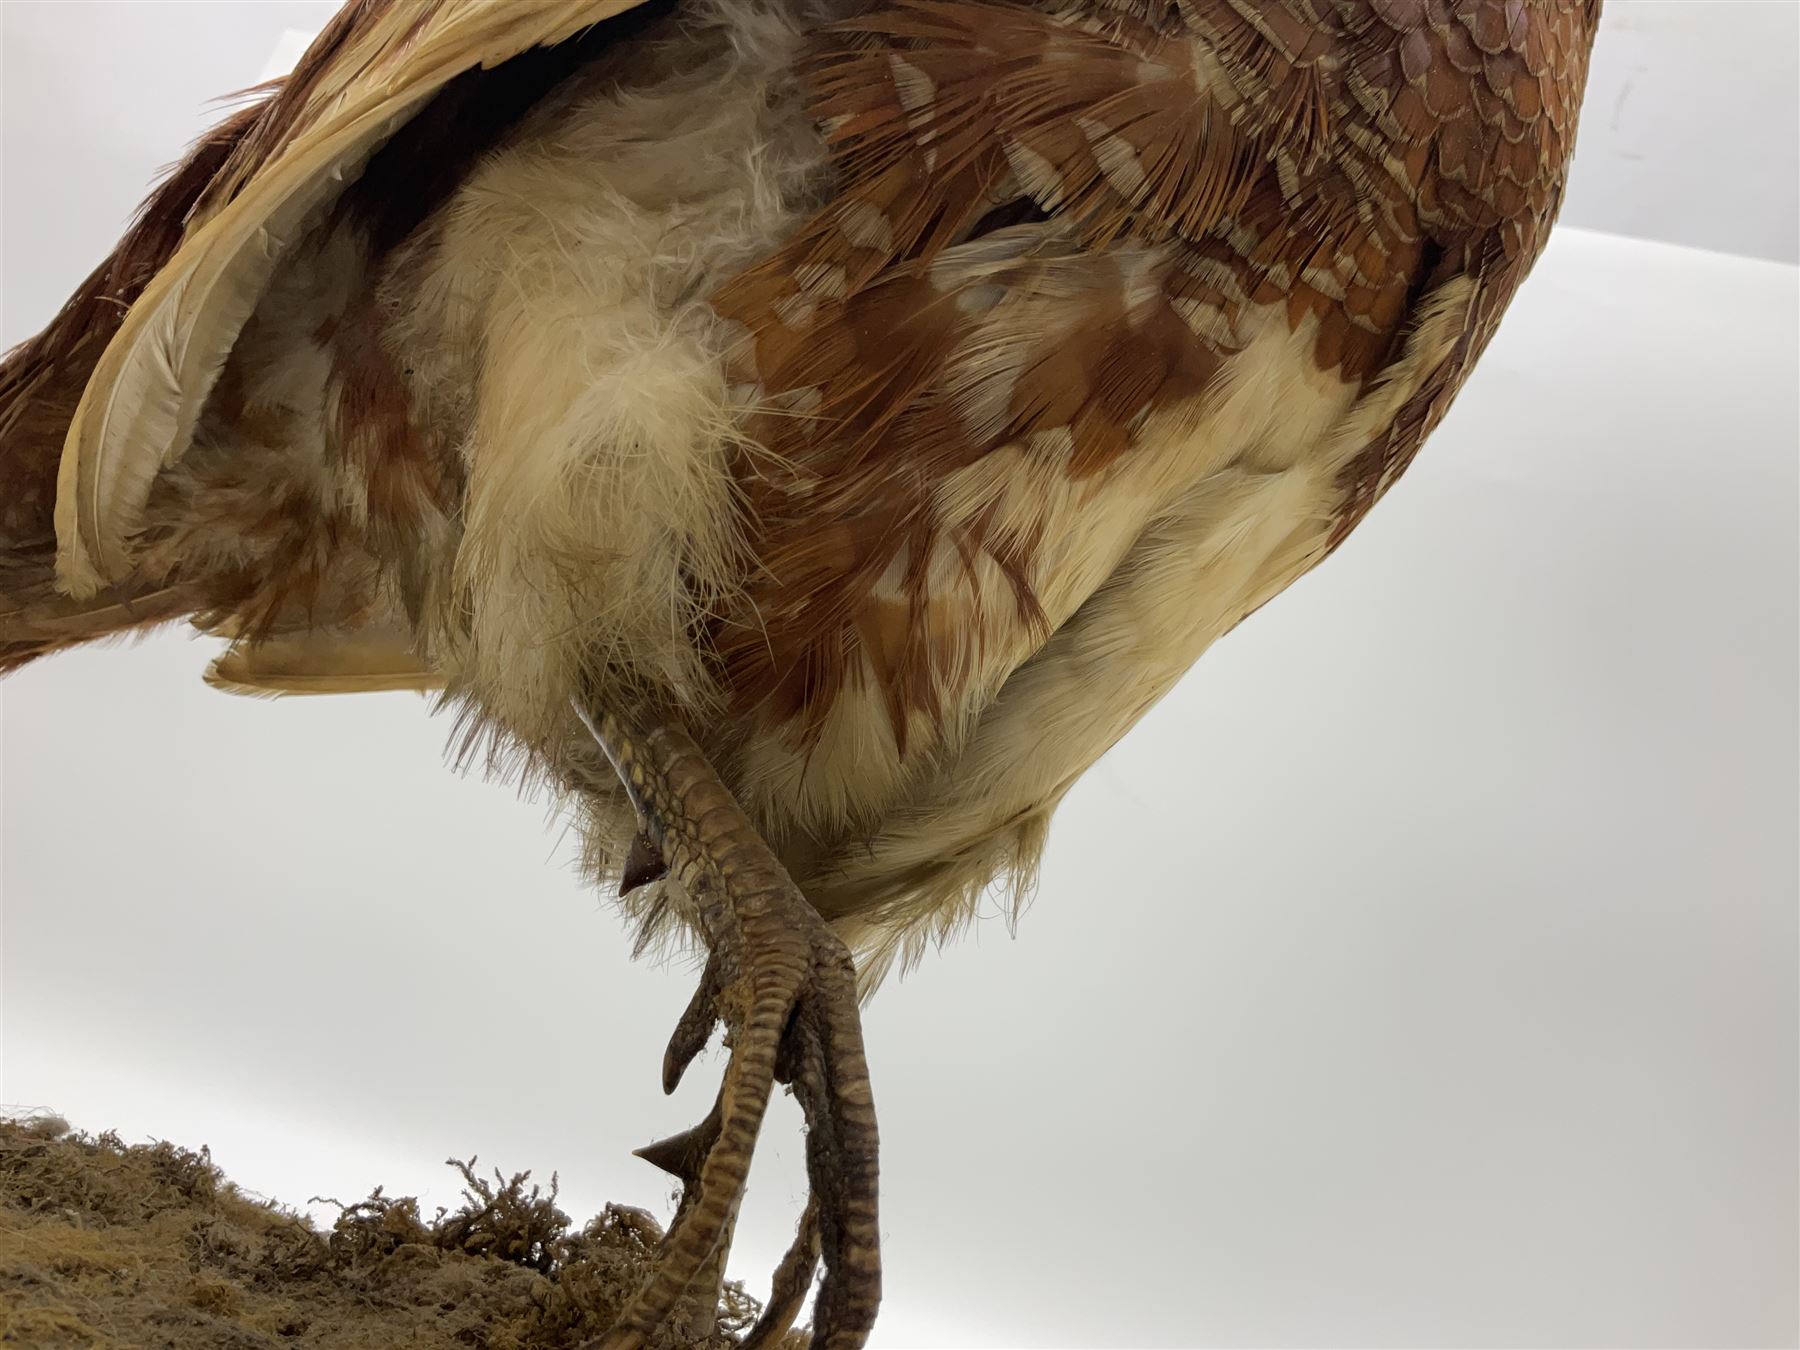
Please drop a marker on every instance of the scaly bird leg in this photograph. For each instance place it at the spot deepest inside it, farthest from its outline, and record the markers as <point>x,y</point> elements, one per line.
<point>785,987</point>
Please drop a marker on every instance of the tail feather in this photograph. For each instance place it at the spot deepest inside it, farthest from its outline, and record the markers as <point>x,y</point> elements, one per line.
<point>41,383</point>
<point>35,620</point>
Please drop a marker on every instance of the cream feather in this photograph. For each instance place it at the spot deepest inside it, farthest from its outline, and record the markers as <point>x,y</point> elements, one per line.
<point>322,663</point>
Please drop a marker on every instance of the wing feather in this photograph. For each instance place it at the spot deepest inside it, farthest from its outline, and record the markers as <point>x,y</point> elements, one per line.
<point>373,69</point>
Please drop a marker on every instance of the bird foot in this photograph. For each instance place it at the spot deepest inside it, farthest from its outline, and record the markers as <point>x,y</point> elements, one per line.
<point>784,986</point>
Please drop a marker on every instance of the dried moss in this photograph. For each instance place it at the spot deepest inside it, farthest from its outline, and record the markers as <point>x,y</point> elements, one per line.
<point>109,1246</point>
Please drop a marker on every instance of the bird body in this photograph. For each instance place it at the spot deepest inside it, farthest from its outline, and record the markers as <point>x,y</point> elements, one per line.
<point>900,396</point>
<point>907,393</point>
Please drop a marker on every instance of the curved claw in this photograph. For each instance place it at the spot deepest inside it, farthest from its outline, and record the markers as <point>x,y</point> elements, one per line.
<point>694,1029</point>
<point>793,1277</point>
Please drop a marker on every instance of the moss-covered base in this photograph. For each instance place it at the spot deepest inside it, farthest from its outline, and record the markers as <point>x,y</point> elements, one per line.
<point>140,1247</point>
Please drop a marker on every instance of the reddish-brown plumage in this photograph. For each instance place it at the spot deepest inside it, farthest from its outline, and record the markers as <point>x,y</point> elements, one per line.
<point>1373,153</point>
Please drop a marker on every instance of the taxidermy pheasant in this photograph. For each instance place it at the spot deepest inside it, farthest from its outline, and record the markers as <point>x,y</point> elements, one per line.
<point>808,432</point>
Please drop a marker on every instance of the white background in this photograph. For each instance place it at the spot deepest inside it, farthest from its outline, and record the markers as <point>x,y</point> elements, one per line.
<point>1446,995</point>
